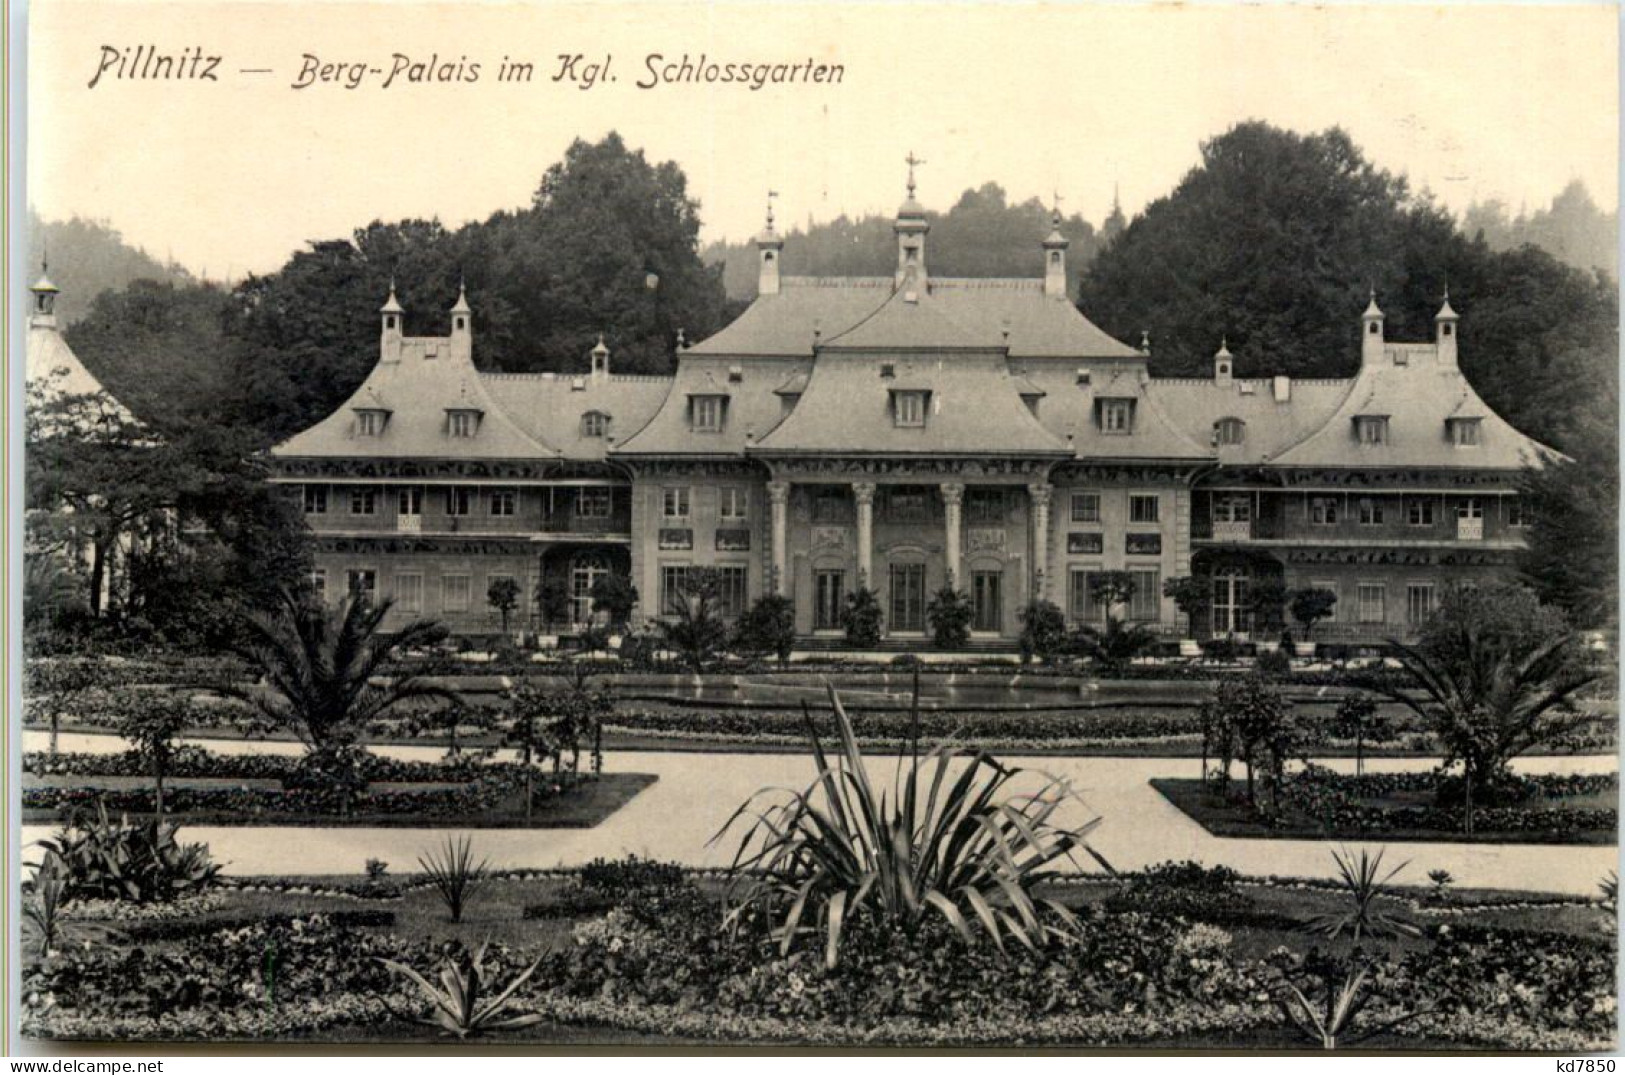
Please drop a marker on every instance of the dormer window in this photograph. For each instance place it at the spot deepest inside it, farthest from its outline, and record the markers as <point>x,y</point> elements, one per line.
<point>1115,415</point>
<point>1464,432</point>
<point>908,408</point>
<point>1371,429</point>
<point>370,421</point>
<point>1229,431</point>
<point>462,422</point>
<point>595,424</point>
<point>708,413</point>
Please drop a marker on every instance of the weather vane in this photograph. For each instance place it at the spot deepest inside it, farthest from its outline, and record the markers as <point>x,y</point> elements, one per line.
<point>913,162</point>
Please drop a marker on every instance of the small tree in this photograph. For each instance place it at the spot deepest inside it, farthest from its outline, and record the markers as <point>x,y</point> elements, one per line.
<point>862,619</point>
<point>545,724</point>
<point>1111,589</point>
<point>55,687</point>
<point>150,723</point>
<point>553,600</point>
<point>1357,718</point>
<point>767,627</point>
<point>697,628</point>
<point>1267,600</point>
<point>503,595</point>
<point>1192,596</point>
<point>1250,716</point>
<point>614,597</point>
<point>1311,605</point>
<point>949,614</point>
<point>1043,631</point>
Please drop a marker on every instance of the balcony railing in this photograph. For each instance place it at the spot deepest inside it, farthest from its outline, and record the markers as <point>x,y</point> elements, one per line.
<point>1470,529</point>
<point>1232,531</point>
<point>409,524</point>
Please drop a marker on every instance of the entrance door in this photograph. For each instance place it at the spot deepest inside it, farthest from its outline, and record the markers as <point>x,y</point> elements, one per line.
<point>829,596</point>
<point>908,597</point>
<point>986,605</point>
<point>585,571</point>
<point>1230,612</point>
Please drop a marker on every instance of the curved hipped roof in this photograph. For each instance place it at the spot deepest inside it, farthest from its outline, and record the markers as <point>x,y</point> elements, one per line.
<point>1416,398</point>
<point>1068,411</point>
<point>1271,426</point>
<point>812,311</point>
<point>553,407</point>
<point>418,390</point>
<point>973,408</point>
<point>754,407</point>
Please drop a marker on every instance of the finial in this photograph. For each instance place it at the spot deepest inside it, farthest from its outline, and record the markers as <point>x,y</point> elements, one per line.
<point>45,258</point>
<point>1055,210</point>
<point>913,162</point>
<point>770,196</point>
<point>600,339</point>
<point>682,340</point>
<point>1145,340</point>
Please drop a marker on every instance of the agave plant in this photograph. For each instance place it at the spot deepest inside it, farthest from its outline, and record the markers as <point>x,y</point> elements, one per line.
<point>43,906</point>
<point>462,1006</point>
<point>125,860</point>
<point>1365,917</point>
<point>454,873</point>
<point>959,844</point>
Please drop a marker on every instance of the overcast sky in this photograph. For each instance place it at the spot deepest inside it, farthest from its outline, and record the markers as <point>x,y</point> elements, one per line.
<point>1471,101</point>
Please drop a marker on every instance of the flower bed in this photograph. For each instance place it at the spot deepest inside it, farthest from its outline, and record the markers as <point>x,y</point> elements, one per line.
<point>195,762</point>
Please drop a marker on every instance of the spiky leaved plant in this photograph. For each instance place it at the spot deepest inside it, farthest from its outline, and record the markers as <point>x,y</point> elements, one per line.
<point>463,1006</point>
<point>960,845</point>
<point>1329,1023</point>
<point>43,904</point>
<point>454,874</point>
<point>1361,883</point>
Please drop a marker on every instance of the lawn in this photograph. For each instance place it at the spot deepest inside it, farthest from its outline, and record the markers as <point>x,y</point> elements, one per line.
<point>1228,816</point>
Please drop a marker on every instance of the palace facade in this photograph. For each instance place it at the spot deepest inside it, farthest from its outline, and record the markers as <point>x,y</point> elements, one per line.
<point>904,433</point>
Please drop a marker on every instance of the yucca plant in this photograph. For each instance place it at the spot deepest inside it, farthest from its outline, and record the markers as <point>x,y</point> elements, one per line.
<point>1365,917</point>
<point>961,845</point>
<point>1330,1022</point>
<point>462,1006</point>
<point>454,874</point>
<point>43,906</point>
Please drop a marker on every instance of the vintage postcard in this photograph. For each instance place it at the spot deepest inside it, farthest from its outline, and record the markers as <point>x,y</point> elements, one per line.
<point>838,525</point>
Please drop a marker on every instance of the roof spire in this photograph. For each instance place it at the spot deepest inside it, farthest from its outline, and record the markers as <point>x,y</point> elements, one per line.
<point>912,161</point>
<point>770,196</point>
<point>1055,210</point>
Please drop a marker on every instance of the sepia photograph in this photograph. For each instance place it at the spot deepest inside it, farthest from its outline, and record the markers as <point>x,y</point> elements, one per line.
<point>855,526</point>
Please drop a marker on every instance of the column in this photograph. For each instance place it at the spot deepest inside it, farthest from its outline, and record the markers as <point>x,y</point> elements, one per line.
<point>778,495</point>
<point>1040,493</point>
<point>953,498</point>
<point>864,494</point>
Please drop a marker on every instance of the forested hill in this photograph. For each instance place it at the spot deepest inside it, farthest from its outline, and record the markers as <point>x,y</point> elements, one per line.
<point>88,257</point>
<point>982,235</point>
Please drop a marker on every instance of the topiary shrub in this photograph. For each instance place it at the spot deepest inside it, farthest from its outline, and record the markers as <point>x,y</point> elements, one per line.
<point>862,619</point>
<point>1043,631</point>
<point>949,614</point>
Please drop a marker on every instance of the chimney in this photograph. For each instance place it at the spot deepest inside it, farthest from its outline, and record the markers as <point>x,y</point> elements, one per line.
<point>1223,365</point>
<point>600,360</point>
<point>462,331</point>
<point>1283,389</point>
<point>389,342</point>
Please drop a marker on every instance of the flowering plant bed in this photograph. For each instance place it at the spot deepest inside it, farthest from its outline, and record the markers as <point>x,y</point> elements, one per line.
<point>1378,806</point>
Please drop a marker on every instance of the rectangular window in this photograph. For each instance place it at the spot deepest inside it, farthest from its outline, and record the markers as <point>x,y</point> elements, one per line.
<point>708,413</point>
<point>318,585</point>
<point>1116,415</point>
<point>1464,432</point>
<point>1371,429</point>
<point>409,592</point>
<point>409,501</point>
<point>674,502</point>
<point>362,582</point>
<point>315,500</point>
<point>1233,509</point>
<point>829,506</point>
<point>1146,604</point>
<point>1144,508</point>
<point>462,423</point>
<point>1370,511</point>
<point>1373,600</point>
<point>731,595</point>
<point>458,501</point>
<point>503,501</point>
<point>1419,511</point>
<point>1086,507</point>
<point>907,597</point>
<point>829,599</point>
<point>370,423</point>
<point>673,577</point>
<point>1418,603</point>
<point>593,502</point>
<point>732,503</point>
<point>985,507</point>
<point>906,506</point>
<point>909,408</point>
<point>1516,516</point>
<point>454,591</point>
<point>986,601</point>
<point>363,501</point>
<point>1323,510</point>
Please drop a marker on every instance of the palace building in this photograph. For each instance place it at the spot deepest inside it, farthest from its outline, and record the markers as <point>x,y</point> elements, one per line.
<point>904,433</point>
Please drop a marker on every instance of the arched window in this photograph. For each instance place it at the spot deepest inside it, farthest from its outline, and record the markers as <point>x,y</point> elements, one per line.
<point>595,424</point>
<point>1229,431</point>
